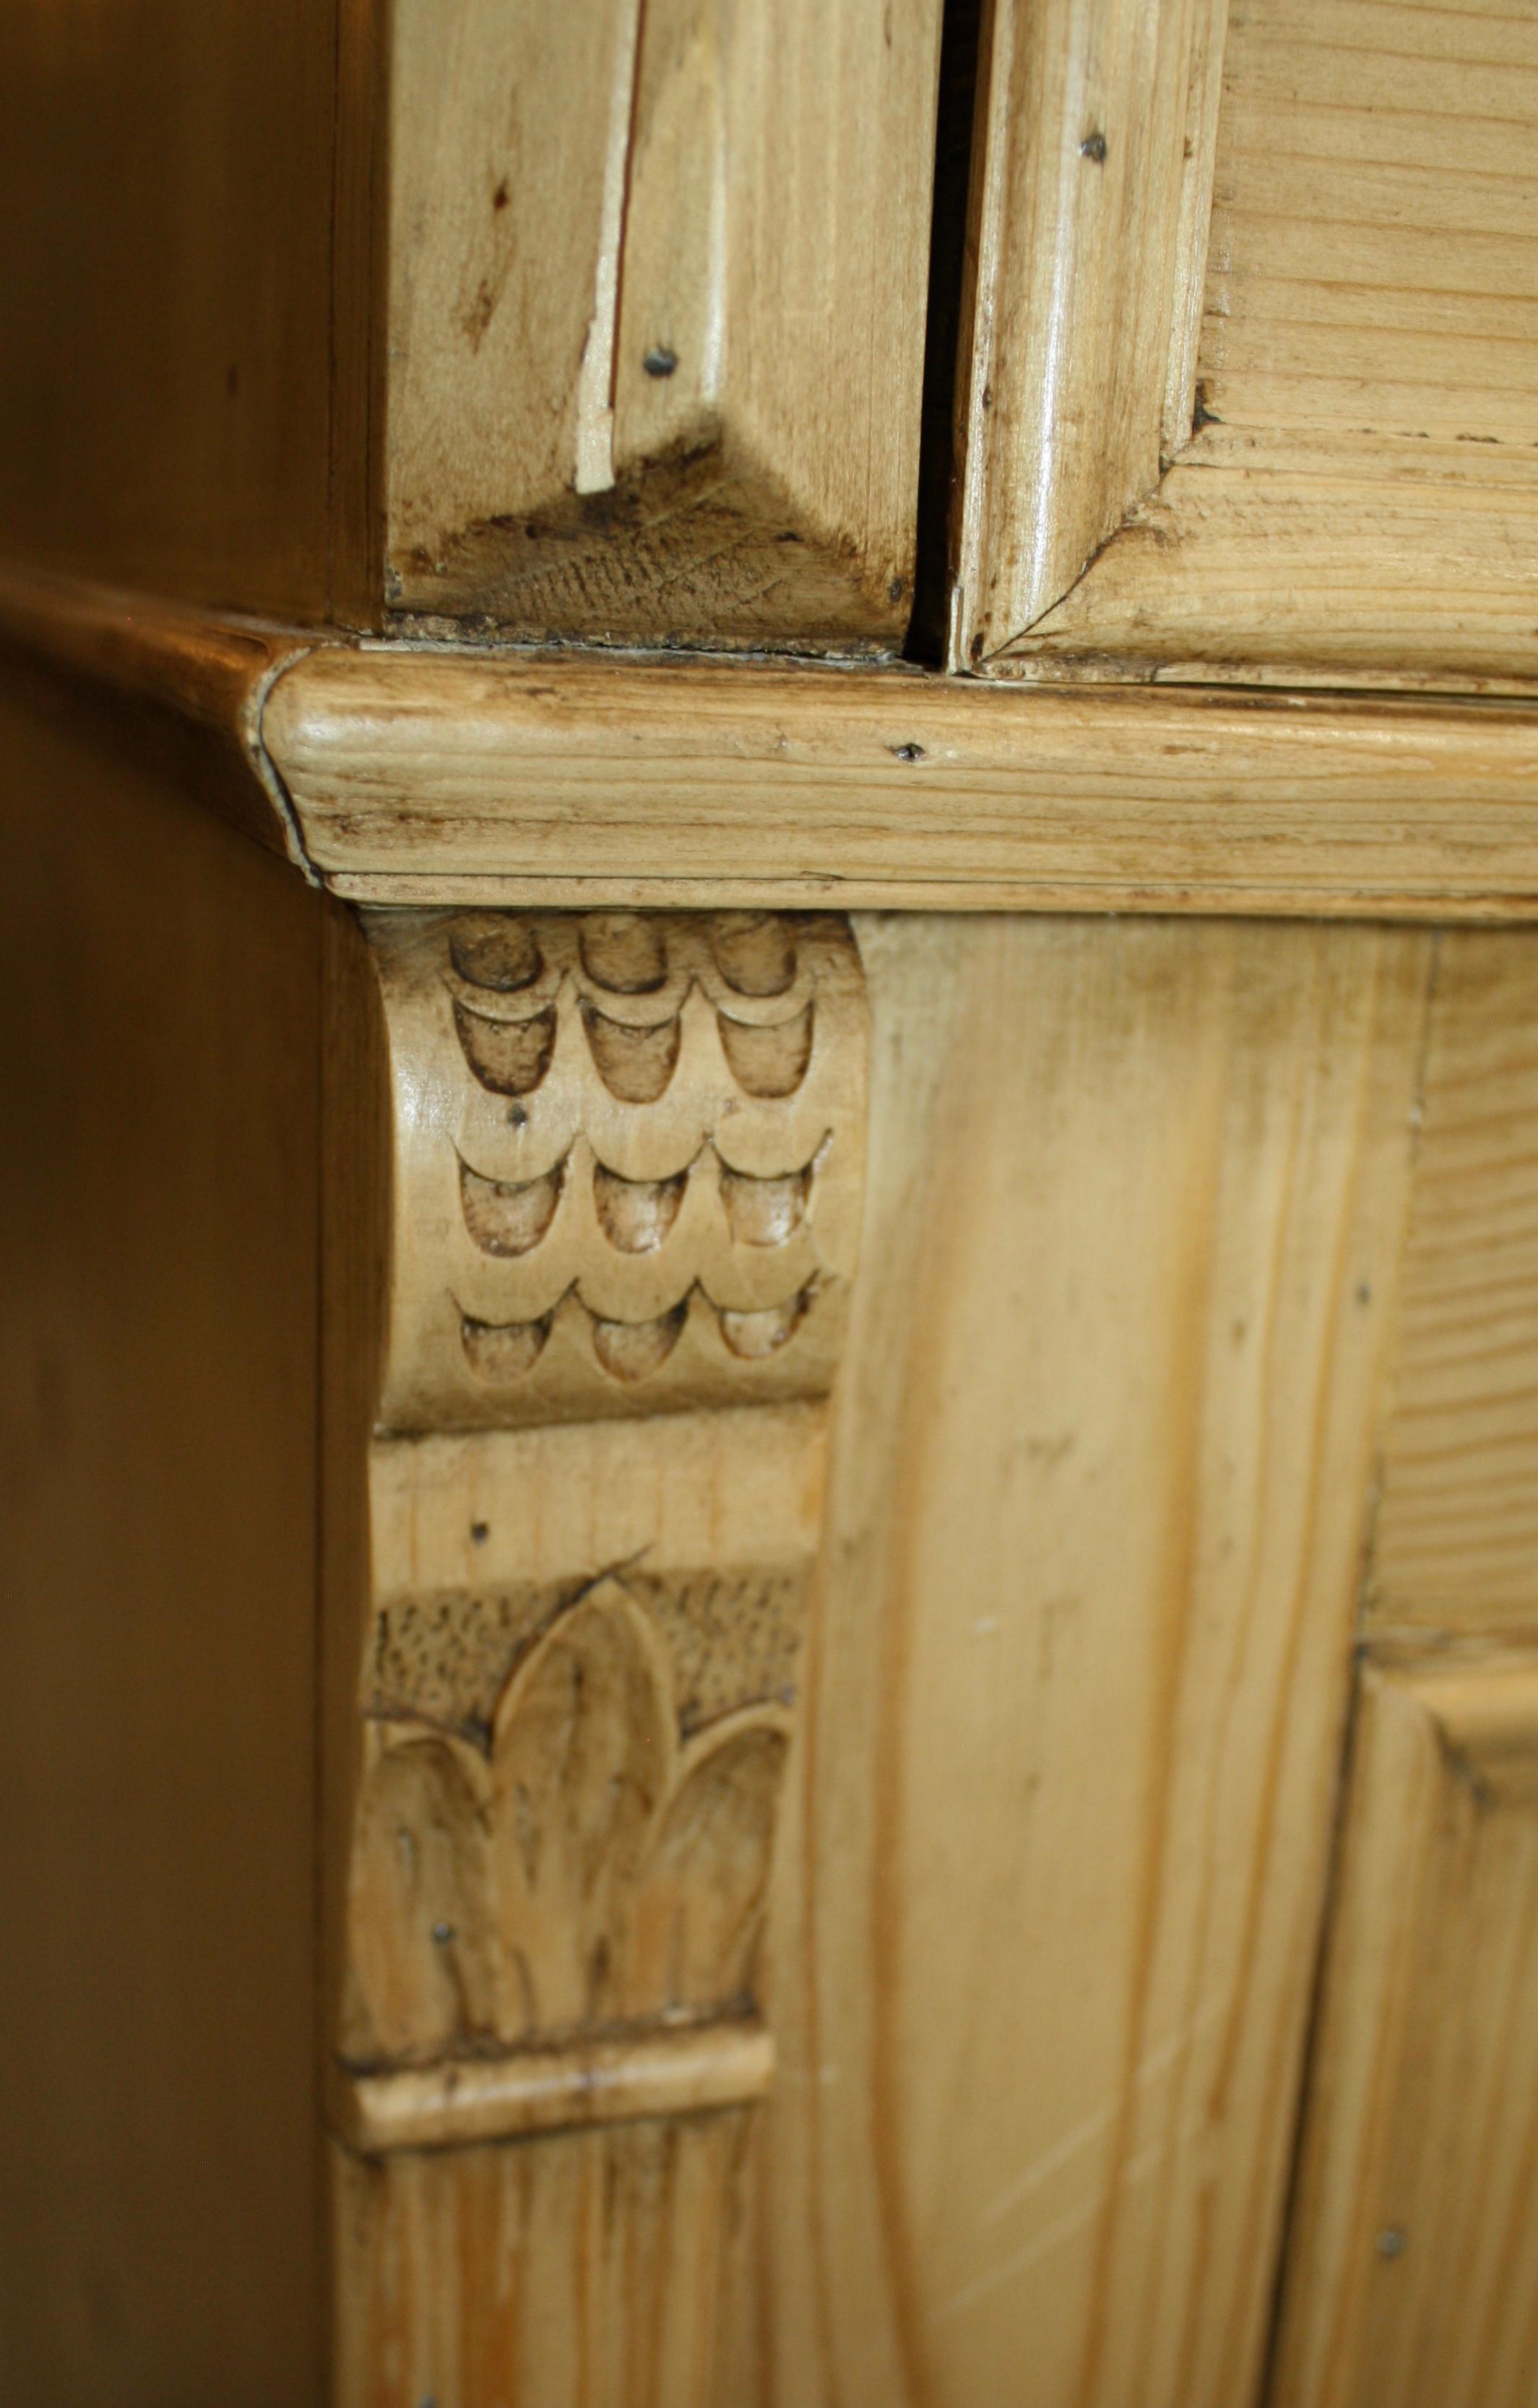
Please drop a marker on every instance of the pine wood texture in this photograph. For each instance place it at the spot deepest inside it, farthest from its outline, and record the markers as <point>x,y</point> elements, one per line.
<point>655,316</point>
<point>1075,1701</point>
<point>574,1507</point>
<point>1353,497</point>
<point>158,2210</point>
<point>1374,263</point>
<point>418,777</point>
<point>1271,560</point>
<point>398,776</point>
<point>1413,2264</point>
<point>166,191</point>
<point>1457,1540</point>
<point>1092,200</point>
<point>600,2268</point>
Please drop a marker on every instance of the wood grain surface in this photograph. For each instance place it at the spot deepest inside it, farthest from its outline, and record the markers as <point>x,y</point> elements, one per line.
<point>423,778</point>
<point>1091,201</point>
<point>1374,260</point>
<point>1047,1922</point>
<point>1412,2274</point>
<point>1457,1540</point>
<point>1337,484</point>
<point>159,2211</point>
<point>656,317</point>
<point>1281,563</point>
<point>600,2268</point>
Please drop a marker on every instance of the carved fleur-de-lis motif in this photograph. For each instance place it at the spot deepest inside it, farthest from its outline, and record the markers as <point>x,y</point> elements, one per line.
<point>586,1869</point>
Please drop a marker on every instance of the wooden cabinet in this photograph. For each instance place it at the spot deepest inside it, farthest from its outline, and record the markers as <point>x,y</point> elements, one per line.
<point>1412,2274</point>
<point>772,782</point>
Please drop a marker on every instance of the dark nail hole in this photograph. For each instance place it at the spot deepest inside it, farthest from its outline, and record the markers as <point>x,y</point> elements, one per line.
<point>517,1115</point>
<point>907,751</point>
<point>660,362</point>
<point>1202,415</point>
<point>480,1532</point>
<point>1093,147</point>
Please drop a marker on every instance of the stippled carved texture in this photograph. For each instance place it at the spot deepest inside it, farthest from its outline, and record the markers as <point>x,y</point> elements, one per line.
<point>629,1152</point>
<point>578,1864</point>
<point>444,1658</point>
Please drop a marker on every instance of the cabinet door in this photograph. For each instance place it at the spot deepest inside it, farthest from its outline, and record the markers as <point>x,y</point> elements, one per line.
<point>1412,2274</point>
<point>1248,389</point>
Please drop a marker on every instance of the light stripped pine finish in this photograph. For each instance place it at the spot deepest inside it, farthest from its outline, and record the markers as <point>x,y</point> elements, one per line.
<point>427,778</point>
<point>576,1448</point>
<point>1374,260</point>
<point>1091,201</point>
<point>595,2269</point>
<point>1045,1934</point>
<point>655,316</point>
<point>1275,559</point>
<point>1411,2272</point>
<point>1343,485</point>
<point>1455,1546</point>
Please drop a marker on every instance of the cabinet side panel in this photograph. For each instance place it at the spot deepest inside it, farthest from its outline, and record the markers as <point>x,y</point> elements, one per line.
<point>157,1446</point>
<point>165,201</point>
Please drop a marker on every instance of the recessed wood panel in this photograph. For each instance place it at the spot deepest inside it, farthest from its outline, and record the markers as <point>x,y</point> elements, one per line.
<point>1250,388</point>
<point>1411,2275</point>
<point>1374,260</point>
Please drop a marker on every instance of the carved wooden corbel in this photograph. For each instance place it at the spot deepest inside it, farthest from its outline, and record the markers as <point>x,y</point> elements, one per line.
<point>624,1157</point>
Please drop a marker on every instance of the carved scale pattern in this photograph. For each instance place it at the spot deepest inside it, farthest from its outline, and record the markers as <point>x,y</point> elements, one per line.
<point>632,1162</point>
<point>628,1158</point>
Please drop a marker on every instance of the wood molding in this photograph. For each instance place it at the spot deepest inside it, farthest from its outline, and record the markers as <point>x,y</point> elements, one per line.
<point>1455,1545</point>
<point>625,1159</point>
<point>437,777</point>
<point>1091,205</point>
<point>1322,567</point>
<point>182,686</point>
<point>724,2063</point>
<point>395,774</point>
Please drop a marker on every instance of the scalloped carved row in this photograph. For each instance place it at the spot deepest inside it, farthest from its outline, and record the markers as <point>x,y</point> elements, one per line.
<point>627,1163</point>
<point>629,1160</point>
